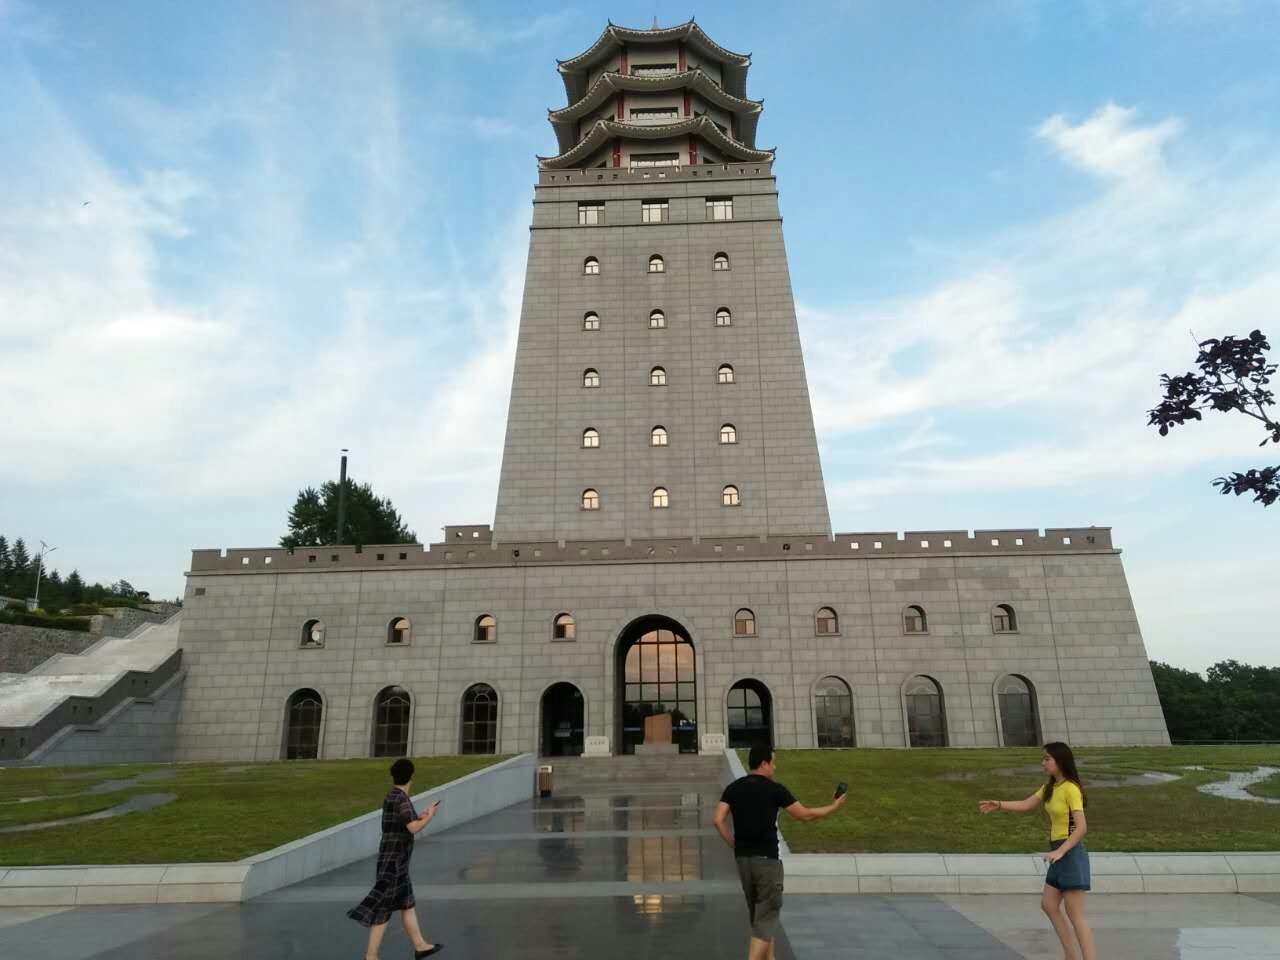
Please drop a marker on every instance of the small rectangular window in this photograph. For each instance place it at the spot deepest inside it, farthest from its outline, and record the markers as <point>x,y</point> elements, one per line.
<point>655,113</point>
<point>719,208</point>
<point>590,214</point>
<point>654,211</point>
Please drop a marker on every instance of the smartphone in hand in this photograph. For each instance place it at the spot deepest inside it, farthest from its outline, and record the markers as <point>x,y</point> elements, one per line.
<point>841,790</point>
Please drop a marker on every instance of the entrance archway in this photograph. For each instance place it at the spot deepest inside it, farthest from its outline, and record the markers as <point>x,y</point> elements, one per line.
<point>563,714</point>
<point>749,709</point>
<point>656,673</point>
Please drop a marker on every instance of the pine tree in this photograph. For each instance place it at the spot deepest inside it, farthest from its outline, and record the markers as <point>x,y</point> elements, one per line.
<point>6,561</point>
<point>74,587</point>
<point>21,560</point>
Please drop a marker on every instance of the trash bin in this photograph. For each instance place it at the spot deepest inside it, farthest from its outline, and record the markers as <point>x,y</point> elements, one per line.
<point>544,780</point>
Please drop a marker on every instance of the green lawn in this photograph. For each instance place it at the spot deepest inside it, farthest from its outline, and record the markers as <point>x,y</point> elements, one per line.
<point>222,811</point>
<point>1269,787</point>
<point>927,800</point>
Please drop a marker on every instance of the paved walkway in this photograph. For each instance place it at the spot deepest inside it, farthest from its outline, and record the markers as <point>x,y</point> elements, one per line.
<point>625,873</point>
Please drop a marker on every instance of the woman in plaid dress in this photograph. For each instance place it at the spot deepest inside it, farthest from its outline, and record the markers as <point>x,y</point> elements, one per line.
<point>392,889</point>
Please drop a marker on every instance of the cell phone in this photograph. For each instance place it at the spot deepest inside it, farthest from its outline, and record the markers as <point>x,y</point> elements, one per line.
<point>841,790</point>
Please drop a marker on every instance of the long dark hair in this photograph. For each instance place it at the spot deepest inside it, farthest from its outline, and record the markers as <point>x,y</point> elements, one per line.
<point>1066,761</point>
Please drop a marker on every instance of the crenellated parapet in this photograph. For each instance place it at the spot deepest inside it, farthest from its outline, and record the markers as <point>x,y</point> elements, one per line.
<point>473,546</point>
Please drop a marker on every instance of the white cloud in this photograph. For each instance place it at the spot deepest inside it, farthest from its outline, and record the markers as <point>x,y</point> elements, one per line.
<point>1109,144</point>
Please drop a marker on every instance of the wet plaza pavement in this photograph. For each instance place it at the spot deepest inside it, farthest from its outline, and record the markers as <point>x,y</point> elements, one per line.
<point>626,872</point>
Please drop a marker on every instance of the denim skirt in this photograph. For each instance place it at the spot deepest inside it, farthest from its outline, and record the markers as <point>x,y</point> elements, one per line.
<point>1072,871</point>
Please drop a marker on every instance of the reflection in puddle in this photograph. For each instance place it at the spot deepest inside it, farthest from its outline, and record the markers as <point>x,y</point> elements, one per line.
<point>664,859</point>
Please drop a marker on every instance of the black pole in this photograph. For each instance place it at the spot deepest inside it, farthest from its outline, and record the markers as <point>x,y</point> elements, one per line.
<point>342,496</point>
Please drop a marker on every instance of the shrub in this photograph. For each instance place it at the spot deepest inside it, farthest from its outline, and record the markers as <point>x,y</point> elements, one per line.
<point>79,624</point>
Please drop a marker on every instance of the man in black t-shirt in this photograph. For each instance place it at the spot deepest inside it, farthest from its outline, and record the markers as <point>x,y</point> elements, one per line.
<point>754,802</point>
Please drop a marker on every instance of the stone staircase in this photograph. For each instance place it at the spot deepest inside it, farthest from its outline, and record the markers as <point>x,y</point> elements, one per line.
<point>574,773</point>
<point>88,692</point>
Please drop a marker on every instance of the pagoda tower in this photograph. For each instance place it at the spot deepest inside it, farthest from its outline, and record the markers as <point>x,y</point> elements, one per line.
<point>659,386</point>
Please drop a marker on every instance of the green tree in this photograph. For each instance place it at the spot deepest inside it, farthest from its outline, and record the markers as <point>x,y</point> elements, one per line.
<point>6,561</point>
<point>1234,377</point>
<point>21,560</point>
<point>313,519</point>
<point>74,587</point>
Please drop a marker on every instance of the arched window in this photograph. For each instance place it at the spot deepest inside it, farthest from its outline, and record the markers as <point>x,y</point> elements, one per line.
<point>833,712</point>
<point>486,628</point>
<point>825,622</point>
<point>303,718</point>
<point>729,496</point>
<point>661,499</point>
<point>724,318</point>
<point>720,262</point>
<point>591,321</point>
<point>744,623</point>
<point>564,627</point>
<point>591,437</point>
<point>728,433</point>
<point>926,715</point>
<point>1003,619</point>
<point>391,723</point>
<point>724,374</point>
<point>398,630</point>
<point>657,320</point>
<point>313,633</point>
<point>1019,718</point>
<point>590,500</point>
<point>591,266</point>
<point>658,438</point>
<point>914,620</point>
<point>480,719</point>
<point>657,377</point>
<point>656,264</point>
<point>590,378</point>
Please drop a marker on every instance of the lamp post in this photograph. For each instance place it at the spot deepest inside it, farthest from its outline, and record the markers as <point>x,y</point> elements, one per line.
<point>44,548</point>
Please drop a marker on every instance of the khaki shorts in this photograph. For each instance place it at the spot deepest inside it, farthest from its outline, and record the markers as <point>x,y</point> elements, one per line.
<point>762,883</point>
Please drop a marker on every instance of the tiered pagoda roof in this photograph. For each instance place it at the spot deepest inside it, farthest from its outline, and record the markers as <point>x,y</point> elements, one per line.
<point>586,96</point>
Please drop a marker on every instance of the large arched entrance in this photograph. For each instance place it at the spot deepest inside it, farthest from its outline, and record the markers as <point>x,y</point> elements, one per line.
<point>563,713</point>
<point>749,712</point>
<point>656,674</point>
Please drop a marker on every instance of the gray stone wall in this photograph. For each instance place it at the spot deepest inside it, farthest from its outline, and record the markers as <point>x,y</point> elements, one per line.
<point>24,648</point>
<point>774,463</point>
<point>138,731</point>
<point>1078,643</point>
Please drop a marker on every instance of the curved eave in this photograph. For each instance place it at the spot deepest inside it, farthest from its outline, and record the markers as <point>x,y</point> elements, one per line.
<point>602,131</point>
<point>565,120</point>
<point>574,70</point>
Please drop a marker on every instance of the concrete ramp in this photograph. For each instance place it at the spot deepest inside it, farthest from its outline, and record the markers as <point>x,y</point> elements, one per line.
<point>90,693</point>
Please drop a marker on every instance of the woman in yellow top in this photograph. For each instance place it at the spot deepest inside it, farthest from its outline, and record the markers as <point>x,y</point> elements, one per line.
<point>1067,878</point>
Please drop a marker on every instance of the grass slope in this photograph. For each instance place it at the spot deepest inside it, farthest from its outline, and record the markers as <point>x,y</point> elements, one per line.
<point>927,800</point>
<point>223,811</point>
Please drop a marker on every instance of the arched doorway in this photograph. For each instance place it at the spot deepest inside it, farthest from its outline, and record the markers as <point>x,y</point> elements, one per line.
<point>656,674</point>
<point>563,713</point>
<point>749,709</point>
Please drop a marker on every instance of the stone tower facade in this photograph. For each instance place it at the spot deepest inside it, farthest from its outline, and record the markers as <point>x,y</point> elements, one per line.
<point>621,579</point>
<point>659,387</point>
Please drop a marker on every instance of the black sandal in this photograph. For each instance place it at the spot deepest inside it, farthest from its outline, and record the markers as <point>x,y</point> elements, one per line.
<point>435,948</point>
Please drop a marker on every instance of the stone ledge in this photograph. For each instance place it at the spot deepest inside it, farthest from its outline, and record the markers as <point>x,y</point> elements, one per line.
<point>462,800</point>
<point>1024,873</point>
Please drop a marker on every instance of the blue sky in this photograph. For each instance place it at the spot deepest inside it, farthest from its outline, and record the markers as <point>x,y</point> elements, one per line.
<point>306,225</point>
